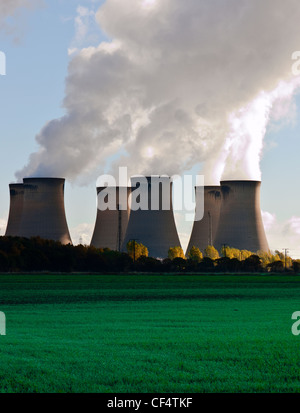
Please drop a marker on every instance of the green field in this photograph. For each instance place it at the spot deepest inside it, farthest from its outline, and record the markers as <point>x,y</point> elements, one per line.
<point>149,333</point>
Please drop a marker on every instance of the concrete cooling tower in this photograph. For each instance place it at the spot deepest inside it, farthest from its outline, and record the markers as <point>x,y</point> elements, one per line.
<point>204,230</point>
<point>16,192</point>
<point>155,228</point>
<point>240,224</point>
<point>43,210</point>
<point>111,223</point>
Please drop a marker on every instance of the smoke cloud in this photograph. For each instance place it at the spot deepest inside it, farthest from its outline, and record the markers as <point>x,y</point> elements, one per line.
<point>12,9</point>
<point>8,8</point>
<point>178,83</point>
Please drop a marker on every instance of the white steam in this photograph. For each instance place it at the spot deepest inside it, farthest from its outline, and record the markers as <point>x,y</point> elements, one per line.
<point>8,8</point>
<point>180,82</point>
<point>12,9</point>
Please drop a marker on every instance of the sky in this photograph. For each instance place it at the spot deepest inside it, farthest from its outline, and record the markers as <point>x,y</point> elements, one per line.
<point>158,86</point>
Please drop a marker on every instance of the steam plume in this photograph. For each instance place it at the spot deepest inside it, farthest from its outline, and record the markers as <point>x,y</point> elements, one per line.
<point>180,82</point>
<point>12,8</point>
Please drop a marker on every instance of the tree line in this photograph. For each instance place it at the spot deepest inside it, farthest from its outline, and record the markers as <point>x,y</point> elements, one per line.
<point>235,260</point>
<point>37,254</point>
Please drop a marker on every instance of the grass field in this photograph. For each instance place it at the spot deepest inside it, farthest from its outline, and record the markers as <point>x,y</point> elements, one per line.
<point>144,333</point>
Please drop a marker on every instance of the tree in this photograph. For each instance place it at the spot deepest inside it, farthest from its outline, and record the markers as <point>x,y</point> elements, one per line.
<point>226,264</point>
<point>211,252</point>
<point>296,266</point>
<point>136,250</point>
<point>232,253</point>
<point>275,266</point>
<point>195,254</point>
<point>207,264</point>
<point>227,252</point>
<point>245,254</point>
<point>148,264</point>
<point>280,255</point>
<point>178,264</point>
<point>4,262</point>
<point>176,252</point>
<point>252,264</point>
<point>267,258</point>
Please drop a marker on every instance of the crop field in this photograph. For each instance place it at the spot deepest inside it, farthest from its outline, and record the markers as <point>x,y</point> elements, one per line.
<point>149,333</point>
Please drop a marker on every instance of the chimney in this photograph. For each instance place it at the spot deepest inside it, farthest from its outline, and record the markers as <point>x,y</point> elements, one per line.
<point>240,224</point>
<point>43,210</point>
<point>16,192</point>
<point>153,223</point>
<point>111,224</point>
<point>204,231</point>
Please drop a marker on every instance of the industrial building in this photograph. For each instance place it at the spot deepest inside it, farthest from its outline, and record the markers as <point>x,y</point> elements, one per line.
<point>240,224</point>
<point>16,192</point>
<point>204,230</point>
<point>111,223</point>
<point>43,211</point>
<point>144,213</point>
<point>153,223</point>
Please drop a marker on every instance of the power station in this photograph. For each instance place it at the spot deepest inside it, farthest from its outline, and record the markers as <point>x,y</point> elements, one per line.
<point>143,213</point>
<point>204,230</point>
<point>112,219</point>
<point>16,192</point>
<point>152,222</point>
<point>37,209</point>
<point>240,224</point>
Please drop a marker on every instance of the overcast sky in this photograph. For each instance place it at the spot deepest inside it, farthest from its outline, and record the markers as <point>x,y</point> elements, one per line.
<point>159,86</point>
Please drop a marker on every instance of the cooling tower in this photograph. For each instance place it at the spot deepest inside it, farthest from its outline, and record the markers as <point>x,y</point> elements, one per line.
<point>204,230</point>
<point>15,210</point>
<point>240,224</point>
<point>44,210</point>
<point>111,224</point>
<point>153,227</point>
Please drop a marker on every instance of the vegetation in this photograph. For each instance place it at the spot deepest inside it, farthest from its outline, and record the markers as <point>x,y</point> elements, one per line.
<point>36,254</point>
<point>235,253</point>
<point>176,252</point>
<point>136,250</point>
<point>158,334</point>
<point>195,254</point>
<point>211,252</point>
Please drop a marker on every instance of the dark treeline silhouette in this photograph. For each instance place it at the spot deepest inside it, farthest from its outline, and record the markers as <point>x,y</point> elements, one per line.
<point>36,254</point>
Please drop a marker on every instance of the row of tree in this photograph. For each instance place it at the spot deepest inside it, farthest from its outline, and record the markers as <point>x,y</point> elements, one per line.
<point>231,259</point>
<point>36,254</point>
<point>267,258</point>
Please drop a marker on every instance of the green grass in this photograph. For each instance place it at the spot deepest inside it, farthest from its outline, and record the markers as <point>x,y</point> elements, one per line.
<point>143,333</point>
